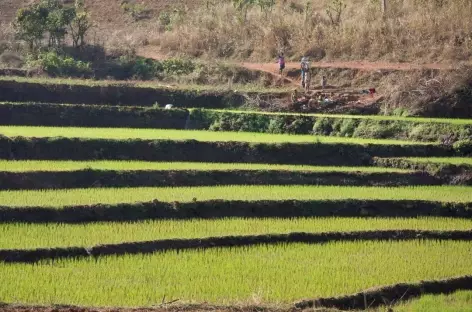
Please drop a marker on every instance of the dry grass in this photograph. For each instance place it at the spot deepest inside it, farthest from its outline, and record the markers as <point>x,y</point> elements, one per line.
<point>412,29</point>
<point>429,93</point>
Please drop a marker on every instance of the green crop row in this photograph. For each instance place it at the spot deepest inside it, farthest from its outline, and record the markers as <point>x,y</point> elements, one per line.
<point>460,301</point>
<point>69,197</point>
<point>180,135</point>
<point>442,160</point>
<point>380,127</point>
<point>30,236</point>
<point>262,274</point>
<point>341,126</point>
<point>68,165</point>
<point>326,154</point>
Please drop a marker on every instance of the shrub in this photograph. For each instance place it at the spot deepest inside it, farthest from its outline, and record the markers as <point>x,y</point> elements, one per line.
<point>276,125</point>
<point>11,59</point>
<point>137,11</point>
<point>59,65</point>
<point>463,147</point>
<point>178,66</point>
<point>322,126</point>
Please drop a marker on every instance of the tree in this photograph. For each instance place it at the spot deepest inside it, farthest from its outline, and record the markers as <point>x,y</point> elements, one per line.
<point>56,24</point>
<point>335,10</point>
<point>52,18</point>
<point>79,28</point>
<point>244,5</point>
<point>30,24</point>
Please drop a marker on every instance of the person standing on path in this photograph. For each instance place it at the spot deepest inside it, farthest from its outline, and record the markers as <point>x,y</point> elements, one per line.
<point>323,82</point>
<point>281,63</point>
<point>305,67</point>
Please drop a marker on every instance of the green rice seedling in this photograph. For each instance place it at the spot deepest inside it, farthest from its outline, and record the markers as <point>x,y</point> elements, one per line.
<point>166,134</point>
<point>147,84</point>
<point>68,165</point>
<point>29,236</point>
<point>460,301</point>
<point>60,198</point>
<point>442,160</point>
<point>258,274</point>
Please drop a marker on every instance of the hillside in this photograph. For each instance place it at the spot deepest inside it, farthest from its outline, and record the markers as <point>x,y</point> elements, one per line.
<point>329,29</point>
<point>414,55</point>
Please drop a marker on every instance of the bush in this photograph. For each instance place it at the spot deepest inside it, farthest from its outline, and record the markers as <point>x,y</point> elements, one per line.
<point>59,65</point>
<point>276,125</point>
<point>178,66</point>
<point>11,59</point>
<point>322,126</point>
<point>463,147</point>
<point>136,10</point>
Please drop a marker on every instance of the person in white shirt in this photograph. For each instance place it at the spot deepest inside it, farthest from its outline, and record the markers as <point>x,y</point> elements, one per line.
<point>305,67</point>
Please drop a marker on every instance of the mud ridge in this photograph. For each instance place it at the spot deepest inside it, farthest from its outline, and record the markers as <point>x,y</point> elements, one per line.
<point>35,255</point>
<point>108,178</point>
<point>120,93</point>
<point>448,173</point>
<point>19,148</point>
<point>380,296</point>
<point>99,116</point>
<point>216,209</point>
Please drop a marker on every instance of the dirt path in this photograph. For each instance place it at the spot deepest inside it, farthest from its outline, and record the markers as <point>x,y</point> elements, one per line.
<point>360,65</point>
<point>294,79</point>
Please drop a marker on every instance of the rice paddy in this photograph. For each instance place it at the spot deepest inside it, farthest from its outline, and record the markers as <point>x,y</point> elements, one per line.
<point>45,165</point>
<point>247,275</point>
<point>460,301</point>
<point>257,275</point>
<point>70,197</point>
<point>28,236</point>
<point>443,160</point>
<point>179,135</point>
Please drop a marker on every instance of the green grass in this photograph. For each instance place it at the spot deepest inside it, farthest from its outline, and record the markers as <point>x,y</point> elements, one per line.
<point>444,160</point>
<point>28,236</point>
<point>148,84</point>
<point>60,198</point>
<point>164,134</point>
<point>454,121</point>
<point>46,165</point>
<point>258,274</point>
<point>460,301</point>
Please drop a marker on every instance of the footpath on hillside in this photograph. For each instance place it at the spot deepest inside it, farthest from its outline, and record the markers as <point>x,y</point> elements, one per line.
<point>334,98</point>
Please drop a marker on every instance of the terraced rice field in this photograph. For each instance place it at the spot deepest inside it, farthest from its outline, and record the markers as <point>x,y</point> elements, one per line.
<point>44,165</point>
<point>266,274</point>
<point>28,236</point>
<point>60,198</point>
<point>49,240</point>
<point>460,301</point>
<point>443,160</point>
<point>180,135</point>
